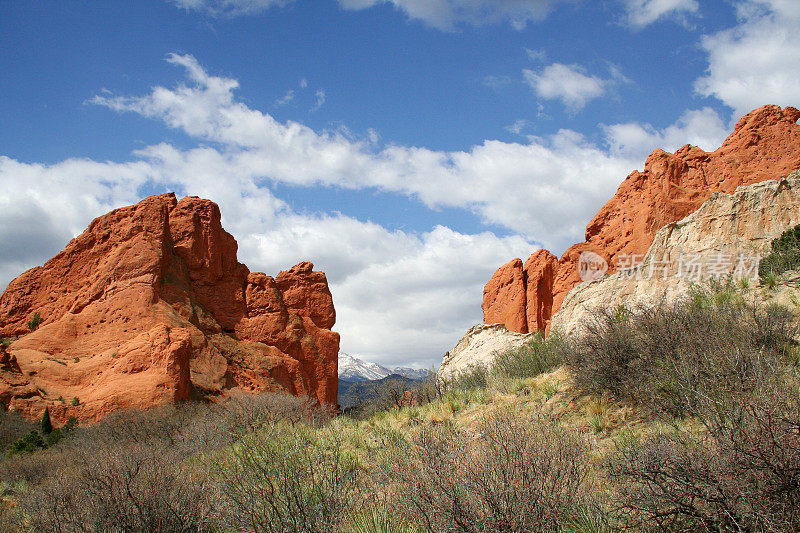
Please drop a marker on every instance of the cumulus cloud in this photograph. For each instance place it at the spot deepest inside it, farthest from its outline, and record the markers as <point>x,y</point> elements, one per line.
<point>401,297</point>
<point>544,172</point>
<point>703,128</point>
<point>568,83</point>
<point>641,13</point>
<point>758,61</point>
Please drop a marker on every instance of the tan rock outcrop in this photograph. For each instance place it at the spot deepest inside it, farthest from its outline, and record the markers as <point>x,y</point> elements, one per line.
<point>478,347</point>
<point>150,305</point>
<point>725,236</point>
<point>764,145</point>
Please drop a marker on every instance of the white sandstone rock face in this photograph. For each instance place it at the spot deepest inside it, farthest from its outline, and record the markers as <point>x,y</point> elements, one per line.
<point>726,229</point>
<point>479,346</point>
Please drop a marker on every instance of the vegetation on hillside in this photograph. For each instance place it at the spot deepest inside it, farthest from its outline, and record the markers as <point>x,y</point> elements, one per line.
<point>785,255</point>
<point>674,417</point>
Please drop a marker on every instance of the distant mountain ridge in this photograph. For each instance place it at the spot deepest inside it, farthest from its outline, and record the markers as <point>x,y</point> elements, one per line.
<point>352,368</point>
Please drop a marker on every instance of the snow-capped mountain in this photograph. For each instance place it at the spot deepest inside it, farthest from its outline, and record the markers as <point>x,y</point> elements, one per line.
<point>354,369</point>
<point>411,373</point>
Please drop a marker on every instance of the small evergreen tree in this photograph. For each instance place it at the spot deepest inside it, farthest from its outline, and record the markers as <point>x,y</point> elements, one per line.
<point>35,321</point>
<point>47,425</point>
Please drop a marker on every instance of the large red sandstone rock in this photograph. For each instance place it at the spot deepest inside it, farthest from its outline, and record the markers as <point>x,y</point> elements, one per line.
<point>504,298</point>
<point>764,145</point>
<point>151,305</point>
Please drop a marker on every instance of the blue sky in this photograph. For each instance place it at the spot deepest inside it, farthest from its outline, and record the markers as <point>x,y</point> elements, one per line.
<point>406,147</point>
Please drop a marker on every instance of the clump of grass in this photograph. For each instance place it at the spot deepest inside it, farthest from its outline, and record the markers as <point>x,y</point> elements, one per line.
<point>598,422</point>
<point>378,520</point>
<point>550,388</point>
<point>536,356</point>
<point>587,520</point>
<point>769,280</point>
<point>627,439</point>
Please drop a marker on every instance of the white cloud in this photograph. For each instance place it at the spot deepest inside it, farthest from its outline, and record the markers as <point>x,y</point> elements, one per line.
<point>230,7</point>
<point>319,100</point>
<point>538,54</point>
<point>703,128</point>
<point>285,99</point>
<point>401,297</point>
<point>546,172</point>
<point>441,14</point>
<point>568,83</point>
<point>758,61</point>
<point>448,14</point>
<point>519,125</point>
<point>641,13</point>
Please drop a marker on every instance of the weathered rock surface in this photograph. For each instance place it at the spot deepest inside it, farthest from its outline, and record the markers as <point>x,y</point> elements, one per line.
<point>519,295</point>
<point>726,235</point>
<point>764,145</point>
<point>504,298</point>
<point>479,346</point>
<point>151,305</point>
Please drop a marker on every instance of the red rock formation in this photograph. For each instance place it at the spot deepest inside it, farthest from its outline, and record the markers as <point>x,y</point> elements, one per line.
<point>764,145</point>
<point>539,270</point>
<point>520,296</point>
<point>150,305</point>
<point>504,298</point>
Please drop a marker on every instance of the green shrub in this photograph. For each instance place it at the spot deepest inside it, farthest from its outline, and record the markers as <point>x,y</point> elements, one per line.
<point>742,474</point>
<point>536,356</point>
<point>288,479</point>
<point>684,356</point>
<point>513,475</point>
<point>28,444</point>
<point>35,321</point>
<point>473,377</point>
<point>75,401</point>
<point>785,254</point>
